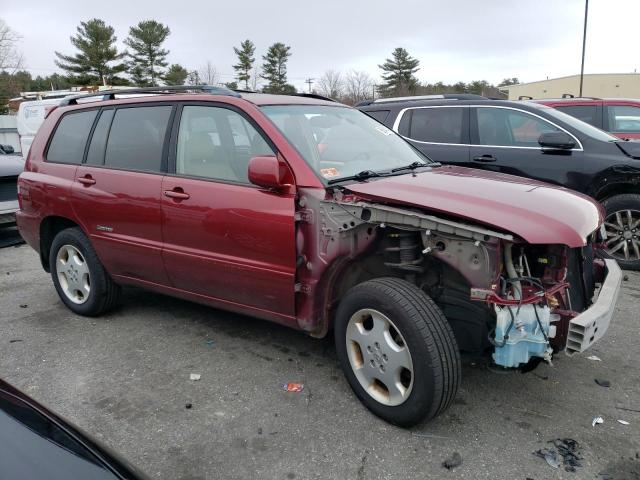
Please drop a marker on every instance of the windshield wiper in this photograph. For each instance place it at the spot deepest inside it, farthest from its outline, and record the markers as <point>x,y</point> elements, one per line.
<point>414,165</point>
<point>363,175</point>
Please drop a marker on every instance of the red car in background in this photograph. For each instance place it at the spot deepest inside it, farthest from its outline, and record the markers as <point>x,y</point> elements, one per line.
<point>618,116</point>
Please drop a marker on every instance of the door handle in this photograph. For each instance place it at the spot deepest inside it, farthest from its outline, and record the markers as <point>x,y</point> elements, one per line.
<point>86,180</point>
<point>484,158</point>
<point>176,194</point>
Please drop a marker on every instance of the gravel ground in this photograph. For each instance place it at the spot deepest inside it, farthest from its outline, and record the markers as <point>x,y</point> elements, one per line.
<point>124,378</point>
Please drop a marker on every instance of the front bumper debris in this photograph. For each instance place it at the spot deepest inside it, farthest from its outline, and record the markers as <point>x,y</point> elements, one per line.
<point>588,327</point>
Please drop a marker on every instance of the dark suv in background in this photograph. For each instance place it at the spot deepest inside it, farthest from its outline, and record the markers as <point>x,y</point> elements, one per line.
<point>530,140</point>
<point>618,116</point>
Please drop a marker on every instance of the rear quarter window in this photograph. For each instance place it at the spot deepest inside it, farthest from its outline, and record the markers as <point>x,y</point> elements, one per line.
<point>379,115</point>
<point>136,138</point>
<point>70,137</point>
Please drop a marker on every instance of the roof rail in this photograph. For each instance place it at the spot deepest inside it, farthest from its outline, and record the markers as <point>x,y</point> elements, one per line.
<point>568,95</point>
<point>525,97</point>
<point>314,95</point>
<point>111,94</point>
<point>415,98</point>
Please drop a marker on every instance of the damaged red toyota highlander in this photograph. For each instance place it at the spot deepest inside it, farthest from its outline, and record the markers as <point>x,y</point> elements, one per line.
<point>308,213</point>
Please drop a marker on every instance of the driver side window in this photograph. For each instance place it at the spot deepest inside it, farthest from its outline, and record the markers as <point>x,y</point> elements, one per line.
<point>217,143</point>
<point>510,128</point>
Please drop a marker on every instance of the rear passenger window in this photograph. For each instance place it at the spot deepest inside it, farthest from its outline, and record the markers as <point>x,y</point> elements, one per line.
<point>586,113</point>
<point>95,155</point>
<point>437,125</point>
<point>379,115</point>
<point>70,137</point>
<point>137,137</point>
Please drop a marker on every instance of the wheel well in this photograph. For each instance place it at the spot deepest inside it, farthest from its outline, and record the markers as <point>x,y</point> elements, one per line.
<point>49,228</point>
<point>469,320</point>
<point>616,189</point>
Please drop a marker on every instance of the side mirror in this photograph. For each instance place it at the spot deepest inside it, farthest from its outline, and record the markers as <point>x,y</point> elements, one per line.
<point>270,172</point>
<point>556,141</point>
<point>7,149</point>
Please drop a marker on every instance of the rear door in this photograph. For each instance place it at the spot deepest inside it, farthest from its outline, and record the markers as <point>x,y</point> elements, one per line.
<point>623,120</point>
<point>440,132</point>
<point>117,190</point>
<point>505,139</point>
<point>225,238</point>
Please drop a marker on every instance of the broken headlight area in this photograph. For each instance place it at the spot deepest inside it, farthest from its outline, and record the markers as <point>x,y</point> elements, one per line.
<point>539,290</point>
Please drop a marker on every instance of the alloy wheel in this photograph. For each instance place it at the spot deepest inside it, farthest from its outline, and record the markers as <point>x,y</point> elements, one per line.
<point>73,274</point>
<point>623,235</point>
<point>379,357</point>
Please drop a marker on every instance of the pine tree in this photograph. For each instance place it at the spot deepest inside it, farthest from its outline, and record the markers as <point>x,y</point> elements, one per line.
<point>245,61</point>
<point>274,69</point>
<point>399,73</point>
<point>176,75</point>
<point>97,61</point>
<point>147,58</point>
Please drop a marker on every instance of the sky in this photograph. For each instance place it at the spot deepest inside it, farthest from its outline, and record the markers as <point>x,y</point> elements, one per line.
<point>455,40</point>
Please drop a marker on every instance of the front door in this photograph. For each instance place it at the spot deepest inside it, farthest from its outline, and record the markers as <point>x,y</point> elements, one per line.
<point>224,238</point>
<point>505,140</point>
<point>117,190</point>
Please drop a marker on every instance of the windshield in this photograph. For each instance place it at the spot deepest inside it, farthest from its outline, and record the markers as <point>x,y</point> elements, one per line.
<point>582,127</point>
<point>340,142</point>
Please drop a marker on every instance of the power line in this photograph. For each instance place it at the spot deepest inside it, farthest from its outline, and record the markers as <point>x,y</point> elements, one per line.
<point>309,81</point>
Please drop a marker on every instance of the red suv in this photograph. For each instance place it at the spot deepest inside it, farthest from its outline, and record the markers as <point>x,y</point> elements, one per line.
<point>309,213</point>
<point>618,116</point>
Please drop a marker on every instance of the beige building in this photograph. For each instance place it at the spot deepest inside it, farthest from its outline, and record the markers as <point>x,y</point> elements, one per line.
<point>603,85</point>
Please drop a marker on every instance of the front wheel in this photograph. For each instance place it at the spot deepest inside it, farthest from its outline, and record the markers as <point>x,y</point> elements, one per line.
<point>622,225</point>
<point>397,351</point>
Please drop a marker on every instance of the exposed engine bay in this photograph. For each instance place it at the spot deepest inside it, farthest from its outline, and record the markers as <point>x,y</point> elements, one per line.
<point>501,295</point>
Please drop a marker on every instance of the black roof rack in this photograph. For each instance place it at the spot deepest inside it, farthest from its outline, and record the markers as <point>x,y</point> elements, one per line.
<point>111,94</point>
<point>417,98</point>
<point>314,95</point>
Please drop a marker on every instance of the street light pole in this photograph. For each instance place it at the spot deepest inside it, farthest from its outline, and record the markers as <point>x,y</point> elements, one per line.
<point>584,41</point>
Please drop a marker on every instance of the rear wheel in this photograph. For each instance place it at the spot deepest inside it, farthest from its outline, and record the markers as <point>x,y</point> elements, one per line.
<point>80,279</point>
<point>622,225</point>
<point>397,351</point>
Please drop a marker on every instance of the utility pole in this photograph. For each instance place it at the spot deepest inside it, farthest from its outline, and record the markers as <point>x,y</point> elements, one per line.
<point>584,41</point>
<point>309,81</point>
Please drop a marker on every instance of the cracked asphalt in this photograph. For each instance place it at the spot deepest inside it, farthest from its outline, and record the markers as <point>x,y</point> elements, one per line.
<point>124,378</point>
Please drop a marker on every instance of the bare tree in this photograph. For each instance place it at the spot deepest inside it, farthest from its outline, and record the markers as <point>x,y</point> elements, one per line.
<point>208,74</point>
<point>255,79</point>
<point>10,57</point>
<point>358,86</point>
<point>331,84</point>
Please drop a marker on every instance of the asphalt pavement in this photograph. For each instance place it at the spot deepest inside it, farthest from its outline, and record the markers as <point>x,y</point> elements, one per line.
<point>125,378</point>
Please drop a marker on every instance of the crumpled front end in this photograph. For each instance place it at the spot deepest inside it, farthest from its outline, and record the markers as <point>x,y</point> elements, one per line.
<point>521,302</point>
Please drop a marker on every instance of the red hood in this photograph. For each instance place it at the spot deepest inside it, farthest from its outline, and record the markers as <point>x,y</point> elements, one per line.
<point>535,211</point>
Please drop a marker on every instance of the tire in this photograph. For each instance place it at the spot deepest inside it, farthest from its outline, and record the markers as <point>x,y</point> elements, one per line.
<point>81,281</point>
<point>421,326</point>
<point>625,204</point>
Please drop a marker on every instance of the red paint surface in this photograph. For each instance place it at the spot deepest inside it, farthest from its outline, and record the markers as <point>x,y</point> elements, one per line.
<point>534,211</point>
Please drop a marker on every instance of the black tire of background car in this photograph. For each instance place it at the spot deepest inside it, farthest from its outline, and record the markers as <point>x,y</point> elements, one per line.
<point>625,201</point>
<point>104,293</point>
<point>431,342</point>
